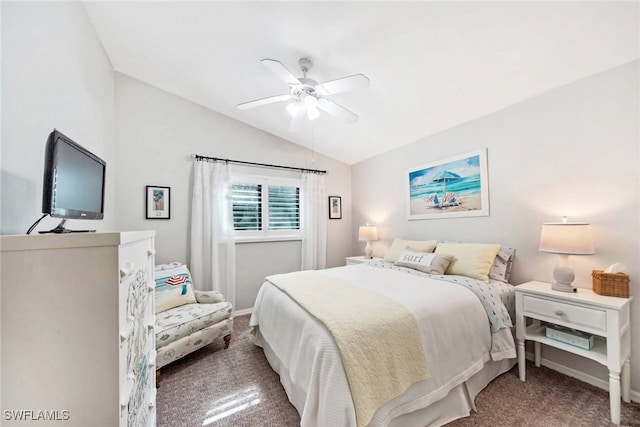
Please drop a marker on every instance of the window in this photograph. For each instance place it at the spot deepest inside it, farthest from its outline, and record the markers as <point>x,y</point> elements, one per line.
<point>284,207</point>
<point>265,208</point>
<point>247,207</point>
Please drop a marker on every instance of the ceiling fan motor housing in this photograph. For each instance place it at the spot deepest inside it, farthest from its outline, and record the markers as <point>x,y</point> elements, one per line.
<point>307,86</point>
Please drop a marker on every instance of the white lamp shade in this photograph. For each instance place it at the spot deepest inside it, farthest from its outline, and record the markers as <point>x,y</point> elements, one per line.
<point>368,232</point>
<point>571,238</point>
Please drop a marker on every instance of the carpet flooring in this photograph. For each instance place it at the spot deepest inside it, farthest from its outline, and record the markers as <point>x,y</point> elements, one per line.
<point>237,387</point>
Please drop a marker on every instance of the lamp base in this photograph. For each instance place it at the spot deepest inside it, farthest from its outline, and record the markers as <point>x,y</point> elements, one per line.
<point>368,251</point>
<point>563,287</point>
<point>564,276</point>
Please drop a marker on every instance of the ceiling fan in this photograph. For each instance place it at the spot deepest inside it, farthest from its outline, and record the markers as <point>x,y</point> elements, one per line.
<point>308,95</point>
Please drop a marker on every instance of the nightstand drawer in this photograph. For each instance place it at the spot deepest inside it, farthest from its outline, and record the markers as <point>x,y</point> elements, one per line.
<point>571,315</point>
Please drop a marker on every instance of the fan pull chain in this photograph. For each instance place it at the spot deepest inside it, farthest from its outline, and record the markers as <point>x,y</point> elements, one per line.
<point>313,151</point>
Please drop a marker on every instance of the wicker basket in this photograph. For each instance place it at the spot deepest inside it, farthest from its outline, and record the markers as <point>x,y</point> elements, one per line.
<point>610,284</point>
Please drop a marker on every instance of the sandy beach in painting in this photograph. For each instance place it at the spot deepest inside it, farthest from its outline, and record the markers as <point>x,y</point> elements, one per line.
<point>466,203</point>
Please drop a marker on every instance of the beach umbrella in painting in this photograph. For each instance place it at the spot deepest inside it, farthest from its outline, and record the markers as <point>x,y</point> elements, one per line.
<point>443,177</point>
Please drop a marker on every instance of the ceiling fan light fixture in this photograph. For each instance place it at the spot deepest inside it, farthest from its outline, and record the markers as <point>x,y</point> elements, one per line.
<point>310,101</point>
<point>294,108</point>
<point>312,113</point>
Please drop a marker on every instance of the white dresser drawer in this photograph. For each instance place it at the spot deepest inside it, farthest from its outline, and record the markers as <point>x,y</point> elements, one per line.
<point>569,314</point>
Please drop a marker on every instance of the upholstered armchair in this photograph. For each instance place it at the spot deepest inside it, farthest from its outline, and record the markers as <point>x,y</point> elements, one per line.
<point>187,319</point>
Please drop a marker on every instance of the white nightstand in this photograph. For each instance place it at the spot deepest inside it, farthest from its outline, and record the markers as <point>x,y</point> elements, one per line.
<point>605,317</point>
<point>360,259</point>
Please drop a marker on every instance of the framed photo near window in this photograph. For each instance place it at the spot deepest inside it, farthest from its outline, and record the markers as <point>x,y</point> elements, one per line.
<point>335,207</point>
<point>158,202</point>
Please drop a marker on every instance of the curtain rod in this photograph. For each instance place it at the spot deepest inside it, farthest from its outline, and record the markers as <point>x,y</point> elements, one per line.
<point>264,165</point>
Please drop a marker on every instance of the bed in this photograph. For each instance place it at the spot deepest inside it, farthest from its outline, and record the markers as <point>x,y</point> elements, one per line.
<point>466,331</point>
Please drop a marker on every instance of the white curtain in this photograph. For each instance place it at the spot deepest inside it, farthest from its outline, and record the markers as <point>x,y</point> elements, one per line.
<point>313,215</point>
<point>213,253</point>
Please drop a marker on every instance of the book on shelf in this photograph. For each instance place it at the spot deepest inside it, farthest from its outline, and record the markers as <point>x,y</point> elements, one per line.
<point>570,336</point>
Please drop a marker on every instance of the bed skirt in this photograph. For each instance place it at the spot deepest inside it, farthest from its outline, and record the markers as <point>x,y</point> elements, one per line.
<point>458,403</point>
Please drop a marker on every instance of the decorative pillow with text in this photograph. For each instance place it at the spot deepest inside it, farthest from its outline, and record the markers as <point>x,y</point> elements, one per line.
<point>426,262</point>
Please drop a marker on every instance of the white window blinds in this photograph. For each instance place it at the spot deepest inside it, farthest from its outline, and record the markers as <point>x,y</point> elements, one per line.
<point>247,207</point>
<point>284,207</point>
<point>266,207</point>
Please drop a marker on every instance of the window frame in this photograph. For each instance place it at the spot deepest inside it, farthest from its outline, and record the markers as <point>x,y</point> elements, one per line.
<point>265,234</point>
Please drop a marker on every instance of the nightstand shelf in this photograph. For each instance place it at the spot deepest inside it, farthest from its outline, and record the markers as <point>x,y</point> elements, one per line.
<point>598,352</point>
<point>607,318</point>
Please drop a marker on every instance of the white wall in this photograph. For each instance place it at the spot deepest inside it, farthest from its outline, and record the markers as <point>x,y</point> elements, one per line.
<point>156,133</point>
<point>572,151</point>
<point>55,74</point>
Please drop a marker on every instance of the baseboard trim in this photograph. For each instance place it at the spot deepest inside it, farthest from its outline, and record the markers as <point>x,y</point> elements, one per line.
<point>243,312</point>
<point>579,375</point>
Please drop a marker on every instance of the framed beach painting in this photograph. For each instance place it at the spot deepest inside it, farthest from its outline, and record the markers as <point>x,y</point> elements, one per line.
<point>158,202</point>
<point>450,188</point>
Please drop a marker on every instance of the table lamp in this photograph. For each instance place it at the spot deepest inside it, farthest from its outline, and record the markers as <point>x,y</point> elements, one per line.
<point>565,238</point>
<point>367,233</point>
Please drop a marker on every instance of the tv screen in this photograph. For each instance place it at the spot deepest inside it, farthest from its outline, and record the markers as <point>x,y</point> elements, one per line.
<point>73,180</point>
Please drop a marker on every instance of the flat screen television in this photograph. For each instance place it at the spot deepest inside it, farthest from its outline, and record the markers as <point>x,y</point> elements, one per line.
<point>73,185</point>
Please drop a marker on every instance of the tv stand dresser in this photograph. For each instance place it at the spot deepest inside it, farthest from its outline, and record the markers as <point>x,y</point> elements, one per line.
<point>77,316</point>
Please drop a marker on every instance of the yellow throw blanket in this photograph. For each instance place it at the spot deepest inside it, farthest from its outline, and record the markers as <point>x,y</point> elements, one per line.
<point>378,338</point>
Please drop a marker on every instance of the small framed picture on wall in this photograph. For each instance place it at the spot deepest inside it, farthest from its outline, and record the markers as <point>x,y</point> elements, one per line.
<point>158,202</point>
<point>335,207</point>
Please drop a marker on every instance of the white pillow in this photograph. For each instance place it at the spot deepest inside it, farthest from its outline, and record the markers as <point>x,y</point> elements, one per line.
<point>471,259</point>
<point>208,297</point>
<point>427,262</point>
<point>399,245</point>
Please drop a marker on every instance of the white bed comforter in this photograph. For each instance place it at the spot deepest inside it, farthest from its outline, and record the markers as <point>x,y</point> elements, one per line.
<point>452,322</point>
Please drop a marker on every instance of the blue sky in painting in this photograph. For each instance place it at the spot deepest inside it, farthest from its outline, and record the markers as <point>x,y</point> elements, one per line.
<point>466,167</point>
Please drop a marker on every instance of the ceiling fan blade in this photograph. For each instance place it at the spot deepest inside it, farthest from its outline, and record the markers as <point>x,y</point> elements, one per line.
<point>280,70</point>
<point>357,81</point>
<point>296,120</point>
<point>264,101</point>
<point>337,110</point>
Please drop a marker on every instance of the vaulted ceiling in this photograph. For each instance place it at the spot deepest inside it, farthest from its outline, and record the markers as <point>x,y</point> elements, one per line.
<point>432,65</point>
